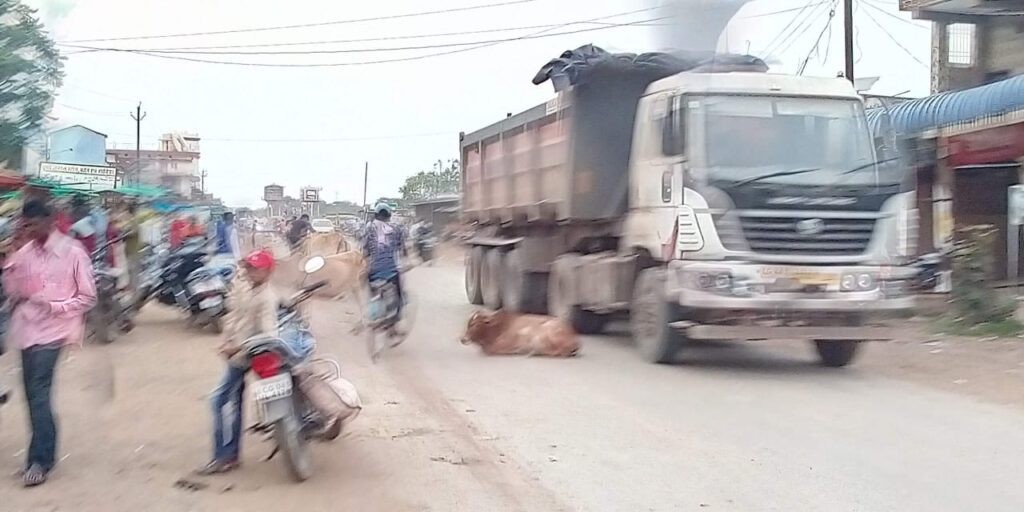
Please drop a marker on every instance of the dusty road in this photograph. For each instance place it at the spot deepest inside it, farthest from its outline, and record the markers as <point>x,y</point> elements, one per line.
<point>739,428</point>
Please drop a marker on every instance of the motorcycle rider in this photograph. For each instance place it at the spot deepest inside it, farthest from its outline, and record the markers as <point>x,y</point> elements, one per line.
<point>383,242</point>
<point>298,231</point>
<point>226,236</point>
<point>423,235</point>
<point>252,311</point>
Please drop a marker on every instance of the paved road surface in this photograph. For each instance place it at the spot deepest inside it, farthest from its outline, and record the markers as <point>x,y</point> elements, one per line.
<point>738,428</point>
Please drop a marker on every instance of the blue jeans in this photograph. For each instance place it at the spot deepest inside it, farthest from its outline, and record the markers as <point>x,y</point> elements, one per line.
<point>227,414</point>
<point>37,367</point>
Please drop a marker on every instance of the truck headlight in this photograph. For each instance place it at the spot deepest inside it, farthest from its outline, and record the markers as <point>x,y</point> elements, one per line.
<point>858,282</point>
<point>711,280</point>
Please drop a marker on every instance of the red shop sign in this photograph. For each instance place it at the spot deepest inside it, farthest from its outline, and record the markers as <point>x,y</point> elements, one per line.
<point>988,146</point>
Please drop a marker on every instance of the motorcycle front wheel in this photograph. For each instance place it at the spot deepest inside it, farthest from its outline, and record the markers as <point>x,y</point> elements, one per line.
<point>288,435</point>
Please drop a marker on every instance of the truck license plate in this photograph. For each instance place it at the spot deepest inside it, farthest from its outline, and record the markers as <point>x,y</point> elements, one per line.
<point>211,302</point>
<point>278,386</point>
<point>802,275</point>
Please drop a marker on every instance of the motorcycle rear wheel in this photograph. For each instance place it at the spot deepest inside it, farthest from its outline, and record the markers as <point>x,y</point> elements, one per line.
<point>291,443</point>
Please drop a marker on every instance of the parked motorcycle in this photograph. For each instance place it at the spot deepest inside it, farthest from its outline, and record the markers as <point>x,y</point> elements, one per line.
<point>112,313</point>
<point>927,276</point>
<point>182,278</point>
<point>288,393</point>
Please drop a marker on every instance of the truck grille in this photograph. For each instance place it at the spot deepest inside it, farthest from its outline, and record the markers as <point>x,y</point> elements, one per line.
<point>781,235</point>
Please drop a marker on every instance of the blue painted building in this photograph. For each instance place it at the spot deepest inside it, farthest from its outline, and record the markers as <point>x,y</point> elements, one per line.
<point>77,144</point>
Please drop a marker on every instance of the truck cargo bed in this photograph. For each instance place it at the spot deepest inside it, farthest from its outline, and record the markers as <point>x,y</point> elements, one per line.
<point>563,161</point>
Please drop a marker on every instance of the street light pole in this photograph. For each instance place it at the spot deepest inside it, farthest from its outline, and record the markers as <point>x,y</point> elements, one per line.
<point>848,37</point>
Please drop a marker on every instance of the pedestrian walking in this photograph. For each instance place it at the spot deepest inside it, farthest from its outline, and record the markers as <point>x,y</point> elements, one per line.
<point>49,280</point>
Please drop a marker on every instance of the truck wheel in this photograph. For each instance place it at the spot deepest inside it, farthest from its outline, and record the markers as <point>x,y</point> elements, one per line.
<point>522,292</point>
<point>836,353</point>
<point>650,318</point>
<point>490,278</point>
<point>587,322</point>
<point>474,262</point>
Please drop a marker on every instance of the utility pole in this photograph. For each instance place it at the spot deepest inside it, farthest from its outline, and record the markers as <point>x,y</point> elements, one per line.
<point>366,180</point>
<point>138,116</point>
<point>202,181</point>
<point>848,37</point>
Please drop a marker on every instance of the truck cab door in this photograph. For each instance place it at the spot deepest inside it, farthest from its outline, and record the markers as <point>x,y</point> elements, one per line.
<point>657,174</point>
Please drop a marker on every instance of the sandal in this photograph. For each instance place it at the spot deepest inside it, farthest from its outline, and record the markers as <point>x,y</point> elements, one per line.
<point>216,467</point>
<point>34,476</point>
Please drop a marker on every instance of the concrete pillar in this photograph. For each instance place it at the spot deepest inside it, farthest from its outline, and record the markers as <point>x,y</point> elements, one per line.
<point>940,57</point>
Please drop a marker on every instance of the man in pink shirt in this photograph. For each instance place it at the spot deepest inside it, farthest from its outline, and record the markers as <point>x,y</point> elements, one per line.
<point>49,281</point>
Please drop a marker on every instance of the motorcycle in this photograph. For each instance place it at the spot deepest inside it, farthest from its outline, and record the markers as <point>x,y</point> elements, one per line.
<point>388,317</point>
<point>112,313</point>
<point>926,277</point>
<point>285,391</point>
<point>425,243</point>
<point>181,278</point>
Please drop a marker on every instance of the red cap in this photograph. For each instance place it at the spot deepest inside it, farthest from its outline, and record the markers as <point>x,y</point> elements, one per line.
<point>261,259</point>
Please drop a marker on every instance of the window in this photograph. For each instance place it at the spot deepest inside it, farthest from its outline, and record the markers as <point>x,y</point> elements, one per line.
<point>673,139</point>
<point>961,39</point>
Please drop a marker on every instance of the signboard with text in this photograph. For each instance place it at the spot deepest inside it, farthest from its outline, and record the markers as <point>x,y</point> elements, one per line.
<point>311,195</point>
<point>85,177</point>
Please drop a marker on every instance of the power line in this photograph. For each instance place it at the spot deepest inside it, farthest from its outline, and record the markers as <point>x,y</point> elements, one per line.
<point>118,114</point>
<point>799,32</point>
<point>784,11</point>
<point>308,25</point>
<point>312,140</point>
<point>376,39</point>
<point>371,50</point>
<point>894,40</point>
<point>788,25</point>
<point>379,61</point>
<point>98,93</point>
<point>891,15</point>
<point>817,42</point>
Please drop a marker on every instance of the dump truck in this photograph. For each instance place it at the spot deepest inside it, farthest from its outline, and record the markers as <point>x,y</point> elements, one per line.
<point>702,206</point>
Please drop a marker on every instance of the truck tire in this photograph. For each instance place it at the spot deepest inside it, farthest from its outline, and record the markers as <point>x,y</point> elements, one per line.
<point>650,317</point>
<point>522,292</point>
<point>490,278</point>
<point>836,353</point>
<point>561,286</point>
<point>474,263</point>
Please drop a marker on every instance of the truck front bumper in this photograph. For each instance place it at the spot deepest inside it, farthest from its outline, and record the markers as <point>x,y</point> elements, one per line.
<point>744,300</point>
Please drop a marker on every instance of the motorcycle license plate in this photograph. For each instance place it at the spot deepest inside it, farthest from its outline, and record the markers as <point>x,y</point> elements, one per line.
<point>278,386</point>
<point>208,285</point>
<point>211,302</point>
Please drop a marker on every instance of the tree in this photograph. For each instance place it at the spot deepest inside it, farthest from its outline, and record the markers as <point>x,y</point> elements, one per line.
<point>444,178</point>
<point>31,71</point>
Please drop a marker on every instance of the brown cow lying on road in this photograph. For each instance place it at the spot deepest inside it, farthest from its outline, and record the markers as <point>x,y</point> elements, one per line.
<point>505,333</point>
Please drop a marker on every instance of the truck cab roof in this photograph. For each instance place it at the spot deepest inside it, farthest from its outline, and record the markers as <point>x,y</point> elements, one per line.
<point>755,83</point>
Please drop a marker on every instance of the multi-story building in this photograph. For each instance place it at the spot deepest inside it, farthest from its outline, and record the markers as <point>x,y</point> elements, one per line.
<point>974,42</point>
<point>174,165</point>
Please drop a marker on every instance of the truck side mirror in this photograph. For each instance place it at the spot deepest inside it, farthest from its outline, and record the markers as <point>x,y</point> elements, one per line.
<point>666,187</point>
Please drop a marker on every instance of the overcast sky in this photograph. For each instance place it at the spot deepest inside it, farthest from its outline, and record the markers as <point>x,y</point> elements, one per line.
<point>268,124</point>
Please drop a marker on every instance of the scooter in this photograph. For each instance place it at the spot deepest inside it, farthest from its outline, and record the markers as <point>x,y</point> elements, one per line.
<point>280,364</point>
<point>183,279</point>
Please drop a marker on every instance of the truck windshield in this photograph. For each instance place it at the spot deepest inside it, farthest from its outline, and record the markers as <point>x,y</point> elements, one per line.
<point>766,139</point>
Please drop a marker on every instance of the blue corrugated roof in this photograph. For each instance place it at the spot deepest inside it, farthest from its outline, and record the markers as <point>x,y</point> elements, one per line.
<point>948,108</point>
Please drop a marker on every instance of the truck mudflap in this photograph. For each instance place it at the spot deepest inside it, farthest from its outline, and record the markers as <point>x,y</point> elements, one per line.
<point>760,332</point>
